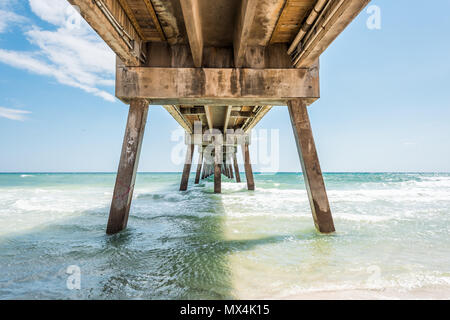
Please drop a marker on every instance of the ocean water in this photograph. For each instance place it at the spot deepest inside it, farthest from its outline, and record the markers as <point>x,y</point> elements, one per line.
<point>392,239</point>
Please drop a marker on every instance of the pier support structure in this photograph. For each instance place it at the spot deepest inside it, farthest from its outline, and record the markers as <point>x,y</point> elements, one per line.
<point>227,168</point>
<point>230,166</point>
<point>226,76</point>
<point>218,157</point>
<point>129,161</point>
<point>203,170</point>
<point>312,173</point>
<point>199,166</point>
<point>248,167</point>
<point>236,168</point>
<point>187,167</point>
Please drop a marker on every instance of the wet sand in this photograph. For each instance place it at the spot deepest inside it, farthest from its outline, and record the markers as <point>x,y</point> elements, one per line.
<point>385,294</point>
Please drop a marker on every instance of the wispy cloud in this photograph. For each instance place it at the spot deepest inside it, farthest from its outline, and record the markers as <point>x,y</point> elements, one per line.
<point>13,114</point>
<point>32,62</point>
<point>8,18</point>
<point>72,53</point>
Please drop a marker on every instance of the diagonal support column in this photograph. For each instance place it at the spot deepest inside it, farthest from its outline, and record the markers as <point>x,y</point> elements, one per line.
<point>129,160</point>
<point>236,168</point>
<point>199,166</point>
<point>307,152</point>
<point>248,167</point>
<point>187,168</point>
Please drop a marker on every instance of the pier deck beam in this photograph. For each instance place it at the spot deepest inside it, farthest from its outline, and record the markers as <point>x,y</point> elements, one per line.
<point>129,161</point>
<point>187,168</point>
<point>248,167</point>
<point>236,168</point>
<point>199,166</point>
<point>315,185</point>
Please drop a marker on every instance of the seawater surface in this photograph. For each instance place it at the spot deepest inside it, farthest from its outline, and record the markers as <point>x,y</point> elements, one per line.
<point>392,239</point>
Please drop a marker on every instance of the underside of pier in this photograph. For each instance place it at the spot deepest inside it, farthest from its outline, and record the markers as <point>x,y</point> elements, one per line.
<point>218,67</point>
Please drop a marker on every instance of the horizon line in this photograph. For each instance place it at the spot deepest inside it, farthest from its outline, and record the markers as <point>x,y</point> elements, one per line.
<point>180,172</point>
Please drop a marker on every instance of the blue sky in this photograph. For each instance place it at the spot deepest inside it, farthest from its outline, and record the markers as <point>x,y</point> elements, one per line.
<point>385,102</point>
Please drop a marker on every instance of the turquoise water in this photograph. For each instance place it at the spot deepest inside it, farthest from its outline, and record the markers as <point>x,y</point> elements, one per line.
<point>392,235</point>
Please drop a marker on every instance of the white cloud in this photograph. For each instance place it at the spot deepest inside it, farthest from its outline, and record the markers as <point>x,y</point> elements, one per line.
<point>7,18</point>
<point>8,4</point>
<point>13,114</point>
<point>88,61</point>
<point>53,11</point>
<point>32,62</point>
<point>72,53</point>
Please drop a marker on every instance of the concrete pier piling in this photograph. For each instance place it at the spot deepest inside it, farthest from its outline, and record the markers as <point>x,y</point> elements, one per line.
<point>312,173</point>
<point>129,161</point>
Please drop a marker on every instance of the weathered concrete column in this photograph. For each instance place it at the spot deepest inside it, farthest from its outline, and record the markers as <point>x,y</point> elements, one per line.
<point>129,161</point>
<point>217,178</point>
<point>312,173</point>
<point>248,167</point>
<point>203,170</point>
<point>225,169</point>
<point>218,169</point>
<point>187,167</point>
<point>230,167</point>
<point>199,166</point>
<point>236,168</point>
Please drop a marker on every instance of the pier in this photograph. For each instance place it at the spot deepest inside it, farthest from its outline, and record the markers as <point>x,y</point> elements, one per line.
<point>218,67</point>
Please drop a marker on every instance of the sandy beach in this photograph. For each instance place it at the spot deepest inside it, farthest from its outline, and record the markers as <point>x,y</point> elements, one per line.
<point>442,293</point>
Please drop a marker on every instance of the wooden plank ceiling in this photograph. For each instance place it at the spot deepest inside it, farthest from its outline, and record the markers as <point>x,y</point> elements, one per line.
<point>275,21</point>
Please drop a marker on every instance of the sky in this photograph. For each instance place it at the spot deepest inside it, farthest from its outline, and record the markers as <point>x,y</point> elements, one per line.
<point>384,107</point>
